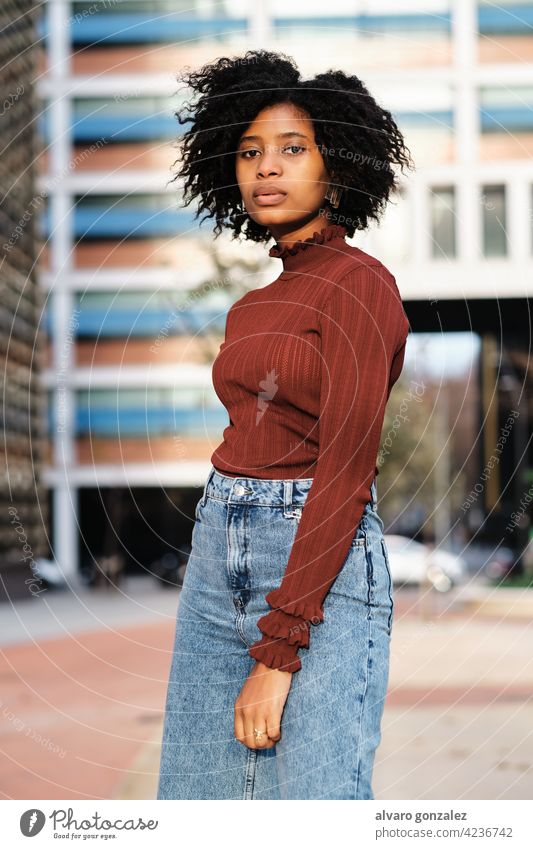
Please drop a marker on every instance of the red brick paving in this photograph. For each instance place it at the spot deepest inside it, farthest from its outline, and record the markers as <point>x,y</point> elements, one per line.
<point>421,697</point>
<point>93,696</point>
<point>96,696</point>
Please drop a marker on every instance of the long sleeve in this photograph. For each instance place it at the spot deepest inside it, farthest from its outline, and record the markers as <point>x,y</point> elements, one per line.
<point>363,329</point>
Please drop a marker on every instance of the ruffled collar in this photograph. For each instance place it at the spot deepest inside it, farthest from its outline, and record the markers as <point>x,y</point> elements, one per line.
<point>304,252</point>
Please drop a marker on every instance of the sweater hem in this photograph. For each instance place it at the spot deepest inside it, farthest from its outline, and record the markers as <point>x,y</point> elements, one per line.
<point>309,610</point>
<point>279,624</point>
<point>267,651</point>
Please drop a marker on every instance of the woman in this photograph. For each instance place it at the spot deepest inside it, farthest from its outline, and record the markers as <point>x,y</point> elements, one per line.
<point>280,663</point>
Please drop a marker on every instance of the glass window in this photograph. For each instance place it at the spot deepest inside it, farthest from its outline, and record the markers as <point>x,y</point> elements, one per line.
<point>392,238</point>
<point>147,411</point>
<point>494,18</point>
<point>374,18</point>
<point>443,239</point>
<point>103,7</point>
<point>136,216</point>
<point>494,227</point>
<point>149,314</point>
<point>506,109</point>
<point>104,23</point>
<point>126,104</point>
<point>125,118</point>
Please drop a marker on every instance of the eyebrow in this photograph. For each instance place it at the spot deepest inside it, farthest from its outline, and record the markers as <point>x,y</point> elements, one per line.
<point>279,136</point>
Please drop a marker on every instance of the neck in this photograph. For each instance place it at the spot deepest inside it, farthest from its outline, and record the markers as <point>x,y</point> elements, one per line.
<point>287,236</point>
<point>305,254</point>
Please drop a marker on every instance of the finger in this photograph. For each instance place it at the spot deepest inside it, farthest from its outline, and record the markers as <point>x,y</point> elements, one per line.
<point>273,729</point>
<point>238,724</point>
<point>249,737</point>
<point>263,742</point>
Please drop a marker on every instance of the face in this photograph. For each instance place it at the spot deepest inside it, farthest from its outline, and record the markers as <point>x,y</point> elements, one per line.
<point>280,171</point>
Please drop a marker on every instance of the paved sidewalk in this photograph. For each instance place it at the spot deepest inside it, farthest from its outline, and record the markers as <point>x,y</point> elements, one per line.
<point>82,709</point>
<point>83,680</point>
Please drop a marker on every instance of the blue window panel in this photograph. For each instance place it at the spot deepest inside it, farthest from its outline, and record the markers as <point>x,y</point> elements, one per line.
<point>121,322</point>
<point>143,421</point>
<point>146,28</point>
<point>124,128</point>
<point>105,222</point>
<point>42,123</point>
<point>204,320</point>
<point>148,322</point>
<point>502,118</point>
<point>46,319</point>
<point>435,119</point>
<point>371,23</point>
<point>96,222</point>
<point>142,27</point>
<point>42,26</point>
<point>110,223</point>
<point>510,20</point>
<point>116,128</point>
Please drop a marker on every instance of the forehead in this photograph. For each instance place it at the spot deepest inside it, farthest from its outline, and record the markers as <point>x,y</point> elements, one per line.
<point>279,121</point>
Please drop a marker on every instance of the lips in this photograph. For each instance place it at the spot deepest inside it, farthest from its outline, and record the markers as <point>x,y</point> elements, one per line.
<point>268,196</point>
<point>267,191</point>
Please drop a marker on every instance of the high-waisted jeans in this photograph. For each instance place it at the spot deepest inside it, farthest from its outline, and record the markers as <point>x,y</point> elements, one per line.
<point>330,726</point>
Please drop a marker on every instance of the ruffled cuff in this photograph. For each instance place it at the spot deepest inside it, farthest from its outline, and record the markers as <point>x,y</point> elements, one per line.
<point>294,629</point>
<point>276,653</point>
<point>308,610</point>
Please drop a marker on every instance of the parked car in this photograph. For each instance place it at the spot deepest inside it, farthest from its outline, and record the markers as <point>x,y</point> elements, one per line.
<point>491,561</point>
<point>413,562</point>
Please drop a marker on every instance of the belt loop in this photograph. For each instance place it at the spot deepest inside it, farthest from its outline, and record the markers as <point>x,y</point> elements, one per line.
<point>374,493</point>
<point>208,481</point>
<point>287,496</point>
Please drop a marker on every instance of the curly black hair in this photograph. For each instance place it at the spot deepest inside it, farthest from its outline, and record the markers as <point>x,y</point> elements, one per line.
<point>358,139</point>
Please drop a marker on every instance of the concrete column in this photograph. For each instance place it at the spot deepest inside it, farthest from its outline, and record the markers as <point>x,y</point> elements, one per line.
<point>65,539</point>
<point>464,39</point>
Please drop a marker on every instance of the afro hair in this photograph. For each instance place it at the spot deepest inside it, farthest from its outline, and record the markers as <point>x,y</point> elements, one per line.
<point>358,139</point>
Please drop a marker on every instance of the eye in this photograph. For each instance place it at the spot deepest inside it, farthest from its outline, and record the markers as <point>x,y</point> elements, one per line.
<point>242,153</point>
<point>293,146</point>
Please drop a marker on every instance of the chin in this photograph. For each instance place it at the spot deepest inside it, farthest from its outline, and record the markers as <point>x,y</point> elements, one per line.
<point>270,216</point>
<point>277,218</point>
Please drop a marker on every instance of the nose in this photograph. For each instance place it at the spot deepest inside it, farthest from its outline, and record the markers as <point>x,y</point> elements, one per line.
<point>268,163</point>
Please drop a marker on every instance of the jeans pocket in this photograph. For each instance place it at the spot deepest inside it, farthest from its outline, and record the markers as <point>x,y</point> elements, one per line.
<point>390,582</point>
<point>198,509</point>
<point>355,576</point>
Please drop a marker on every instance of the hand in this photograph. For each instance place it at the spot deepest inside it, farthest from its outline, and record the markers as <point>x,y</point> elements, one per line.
<point>260,705</point>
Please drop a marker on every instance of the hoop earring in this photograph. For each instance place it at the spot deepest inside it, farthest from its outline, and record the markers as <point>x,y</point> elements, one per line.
<point>333,194</point>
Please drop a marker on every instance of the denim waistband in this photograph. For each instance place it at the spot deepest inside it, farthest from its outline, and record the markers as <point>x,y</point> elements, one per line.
<point>268,492</point>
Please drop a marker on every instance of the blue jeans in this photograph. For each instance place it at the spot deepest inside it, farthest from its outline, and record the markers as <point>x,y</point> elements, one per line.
<point>330,727</point>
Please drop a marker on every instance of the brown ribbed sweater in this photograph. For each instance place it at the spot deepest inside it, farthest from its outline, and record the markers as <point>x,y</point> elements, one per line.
<point>305,373</point>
